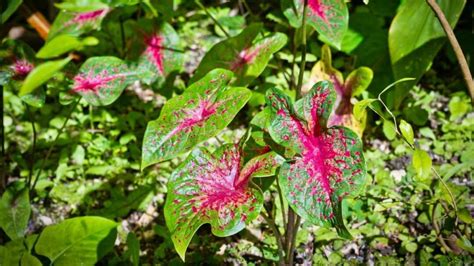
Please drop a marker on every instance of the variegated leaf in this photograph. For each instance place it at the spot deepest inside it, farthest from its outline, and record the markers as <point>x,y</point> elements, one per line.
<point>214,189</point>
<point>245,54</point>
<point>329,164</point>
<point>162,52</point>
<point>329,18</point>
<point>101,80</point>
<point>77,23</point>
<point>201,112</point>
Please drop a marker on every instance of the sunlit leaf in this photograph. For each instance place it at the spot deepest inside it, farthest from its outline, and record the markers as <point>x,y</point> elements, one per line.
<point>215,189</point>
<point>101,80</point>
<point>329,18</point>
<point>77,241</point>
<point>329,164</point>
<point>422,163</point>
<point>203,110</point>
<point>407,131</point>
<point>245,54</point>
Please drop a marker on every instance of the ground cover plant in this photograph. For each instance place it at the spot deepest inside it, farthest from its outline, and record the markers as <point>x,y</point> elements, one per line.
<point>282,132</point>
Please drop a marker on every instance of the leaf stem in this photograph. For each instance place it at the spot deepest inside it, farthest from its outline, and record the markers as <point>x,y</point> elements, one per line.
<point>33,149</point>
<point>43,163</point>
<point>271,222</point>
<point>91,117</point>
<point>455,44</point>
<point>303,53</point>
<point>3,181</point>
<point>198,2</point>
<point>282,205</point>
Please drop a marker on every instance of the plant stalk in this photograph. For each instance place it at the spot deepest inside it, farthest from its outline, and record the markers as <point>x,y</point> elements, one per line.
<point>455,44</point>
<point>33,149</point>
<point>48,154</point>
<point>303,53</point>
<point>3,181</point>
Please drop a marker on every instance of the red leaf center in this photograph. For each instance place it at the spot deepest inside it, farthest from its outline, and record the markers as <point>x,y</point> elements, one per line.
<point>154,50</point>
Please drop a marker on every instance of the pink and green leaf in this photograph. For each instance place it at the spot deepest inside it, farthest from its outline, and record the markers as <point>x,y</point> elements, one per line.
<point>101,80</point>
<point>21,61</point>
<point>329,164</point>
<point>245,54</point>
<point>214,189</point>
<point>77,23</point>
<point>329,18</point>
<point>200,113</point>
<point>162,51</point>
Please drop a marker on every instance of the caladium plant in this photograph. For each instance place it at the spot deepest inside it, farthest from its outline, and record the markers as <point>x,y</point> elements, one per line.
<point>202,111</point>
<point>77,23</point>
<point>355,83</point>
<point>328,165</point>
<point>245,54</point>
<point>19,60</point>
<point>101,80</point>
<point>162,51</point>
<point>329,18</point>
<point>217,189</point>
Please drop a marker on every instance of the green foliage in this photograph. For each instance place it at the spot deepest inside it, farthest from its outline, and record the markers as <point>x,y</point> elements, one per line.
<point>15,209</point>
<point>77,241</point>
<point>41,74</point>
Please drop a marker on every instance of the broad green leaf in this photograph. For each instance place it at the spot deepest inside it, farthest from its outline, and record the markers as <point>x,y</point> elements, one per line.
<point>201,112</point>
<point>42,73</point>
<point>329,18</point>
<point>133,249</point>
<point>422,163</point>
<point>215,189</point>
<point>162,52</point>
<point>11,7</point>
<point>29,260</point>
<point>358,80</point>
<point>245,54</point>
<point>101,80</point>
<point>329,164</point>
<point>77,241</point>
<point>15,212</point>
<point>407,131</point>
<point>77,23</point>
<point>415,37</point>
<point>59,45</point>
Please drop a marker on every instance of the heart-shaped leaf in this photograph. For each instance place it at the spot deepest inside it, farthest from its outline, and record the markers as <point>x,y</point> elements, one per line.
<point>101,80</point>
<point>162,52</point>
<point>245,54</point>
<point>329,18</point>
<point>201,112</point>
<point>357,81</point>
<point>214,188</point>
<point>329,164</point>
<point>77,241</point>
<point>15,212</point>
<point>77,23</point>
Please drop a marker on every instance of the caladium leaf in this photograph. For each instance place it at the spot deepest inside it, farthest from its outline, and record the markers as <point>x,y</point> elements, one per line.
<point>201,112</point>
<point>357,82</point>
<point>77,23</point>
<point>101,80</point>
<point>329,18</point>
<point>245,54</point>
<point>215,189</point>
<point>329,164</point>
<point>20,61</point>
<point>162,52</point>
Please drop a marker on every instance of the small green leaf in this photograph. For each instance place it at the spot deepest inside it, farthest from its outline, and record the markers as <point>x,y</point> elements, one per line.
<point>11,7</point>
<point>59,45</point>
<point>41,74</point>
<point>359,108</point>
<point>77,241</point>
<point>422,163</point>
<point>407,131</point>
<point>389,130</point>
<point>465,215</point>
<point>15,212</point>
<point>411,247</point>
<point>465,244</point>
